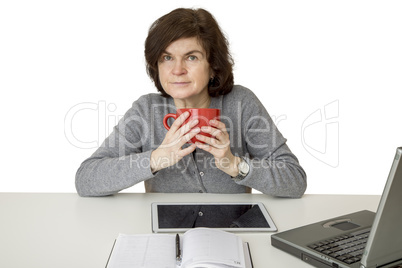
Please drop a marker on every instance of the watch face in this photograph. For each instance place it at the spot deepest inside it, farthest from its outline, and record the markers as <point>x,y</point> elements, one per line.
<point>243,168</point>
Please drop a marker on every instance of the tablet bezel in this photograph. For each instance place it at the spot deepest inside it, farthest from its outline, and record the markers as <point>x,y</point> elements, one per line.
<point>268,218</point>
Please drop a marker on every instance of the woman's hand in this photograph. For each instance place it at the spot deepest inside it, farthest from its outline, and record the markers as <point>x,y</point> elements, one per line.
<point>219,146</point>
<point>170,151</point>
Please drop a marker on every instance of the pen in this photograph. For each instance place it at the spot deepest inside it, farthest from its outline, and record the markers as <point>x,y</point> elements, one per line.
<point>178,252</point>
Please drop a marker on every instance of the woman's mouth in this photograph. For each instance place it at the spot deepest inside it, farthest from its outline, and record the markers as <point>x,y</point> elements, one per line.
<point>180,83</point>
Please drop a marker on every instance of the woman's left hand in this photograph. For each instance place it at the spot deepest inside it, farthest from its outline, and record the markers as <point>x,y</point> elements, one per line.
<point>219,146</point>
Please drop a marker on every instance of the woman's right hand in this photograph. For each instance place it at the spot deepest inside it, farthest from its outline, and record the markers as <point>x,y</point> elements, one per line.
<point>170,151</point>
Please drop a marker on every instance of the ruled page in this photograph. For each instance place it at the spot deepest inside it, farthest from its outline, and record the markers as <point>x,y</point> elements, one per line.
<point>204,247</point>
<point>146,251</point>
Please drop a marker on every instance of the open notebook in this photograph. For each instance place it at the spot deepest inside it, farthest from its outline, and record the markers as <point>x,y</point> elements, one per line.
<point>200,247</point>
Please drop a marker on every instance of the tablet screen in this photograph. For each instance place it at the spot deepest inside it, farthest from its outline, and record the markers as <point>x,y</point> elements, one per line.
<point>174,217</point>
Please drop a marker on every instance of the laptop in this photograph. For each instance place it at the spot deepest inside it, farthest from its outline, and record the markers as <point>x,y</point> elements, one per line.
<point>363,239</point>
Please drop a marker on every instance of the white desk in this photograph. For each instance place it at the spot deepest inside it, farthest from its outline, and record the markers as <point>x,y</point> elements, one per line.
<point>65,230</point>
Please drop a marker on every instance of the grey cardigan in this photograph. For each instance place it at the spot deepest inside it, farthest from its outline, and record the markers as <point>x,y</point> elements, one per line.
<point>123,159</point>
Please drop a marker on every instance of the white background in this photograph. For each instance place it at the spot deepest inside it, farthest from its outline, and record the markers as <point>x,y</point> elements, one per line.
<point>328,72</point>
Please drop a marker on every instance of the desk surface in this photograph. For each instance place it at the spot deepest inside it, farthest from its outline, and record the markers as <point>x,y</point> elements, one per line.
<point>65,230</point>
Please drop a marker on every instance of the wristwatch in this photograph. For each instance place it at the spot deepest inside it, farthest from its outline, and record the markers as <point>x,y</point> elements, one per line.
<point>243,168</point>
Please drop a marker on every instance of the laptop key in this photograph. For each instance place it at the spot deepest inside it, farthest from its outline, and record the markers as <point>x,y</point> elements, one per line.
<point>334,254</point>
<point>336,249</point>
<point>342,258</point>
<point>349,261</point>
<point>356,259</point>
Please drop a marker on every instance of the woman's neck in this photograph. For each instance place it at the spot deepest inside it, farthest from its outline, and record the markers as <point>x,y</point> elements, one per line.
<point>199,102</point>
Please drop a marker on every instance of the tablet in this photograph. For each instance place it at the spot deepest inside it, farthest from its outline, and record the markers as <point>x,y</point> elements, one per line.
<point>232,217</point>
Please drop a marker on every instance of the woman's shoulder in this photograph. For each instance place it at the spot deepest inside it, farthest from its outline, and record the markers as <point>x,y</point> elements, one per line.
<point>245,98</point>
<point>146,102</point>
<point>242,93</point>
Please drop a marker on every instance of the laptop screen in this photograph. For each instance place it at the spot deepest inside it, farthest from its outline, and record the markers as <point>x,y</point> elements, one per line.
<point>385,242</point>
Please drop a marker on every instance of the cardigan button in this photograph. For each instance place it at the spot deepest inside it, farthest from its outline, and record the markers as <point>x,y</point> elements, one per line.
<point>201,173</point>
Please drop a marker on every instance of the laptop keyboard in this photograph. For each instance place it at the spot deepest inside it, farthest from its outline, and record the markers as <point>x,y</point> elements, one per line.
<point>346,248</point>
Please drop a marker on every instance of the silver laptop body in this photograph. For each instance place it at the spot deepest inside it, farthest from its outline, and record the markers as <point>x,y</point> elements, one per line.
<point>381,233</point>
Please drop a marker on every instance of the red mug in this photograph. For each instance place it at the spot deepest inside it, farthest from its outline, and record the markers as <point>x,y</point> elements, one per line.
<point>204,115</point>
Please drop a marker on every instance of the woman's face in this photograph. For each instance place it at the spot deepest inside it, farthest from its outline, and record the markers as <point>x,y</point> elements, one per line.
<point>184,71</point>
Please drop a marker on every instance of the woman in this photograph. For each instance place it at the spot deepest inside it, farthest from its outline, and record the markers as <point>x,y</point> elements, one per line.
<point>189,61</point>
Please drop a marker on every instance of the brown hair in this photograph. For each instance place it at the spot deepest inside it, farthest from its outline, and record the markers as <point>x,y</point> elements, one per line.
<point>186,23</point>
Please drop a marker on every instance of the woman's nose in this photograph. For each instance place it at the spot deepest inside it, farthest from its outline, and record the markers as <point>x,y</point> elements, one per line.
<point>179,68</point>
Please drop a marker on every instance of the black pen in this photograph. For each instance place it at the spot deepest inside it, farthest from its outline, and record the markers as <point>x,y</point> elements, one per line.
<point>178,252</point>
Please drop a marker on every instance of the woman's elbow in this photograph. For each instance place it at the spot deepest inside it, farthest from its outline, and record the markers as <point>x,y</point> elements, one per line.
<point>300,184</point>
<point>82,184</point>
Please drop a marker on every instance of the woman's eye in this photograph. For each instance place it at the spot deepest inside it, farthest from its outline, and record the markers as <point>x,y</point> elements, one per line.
<point>167,58</point>
<point>192,58</point>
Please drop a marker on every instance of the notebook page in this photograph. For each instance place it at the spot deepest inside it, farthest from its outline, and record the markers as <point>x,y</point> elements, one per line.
<point>210,246</point>
<point>147,251</point>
